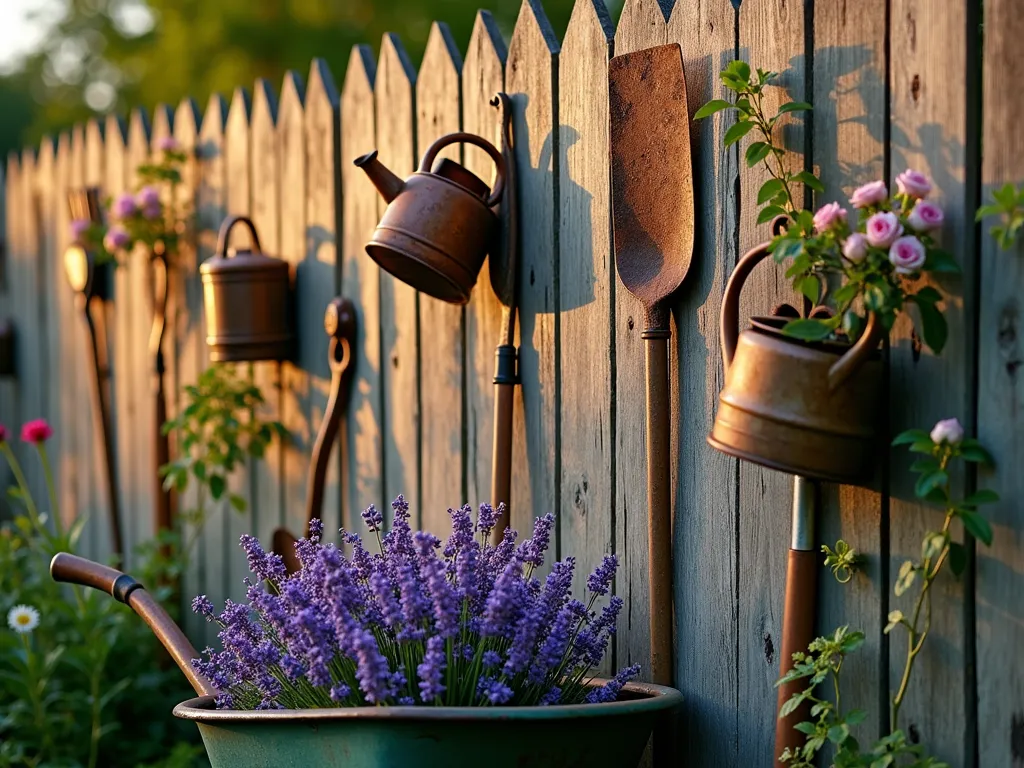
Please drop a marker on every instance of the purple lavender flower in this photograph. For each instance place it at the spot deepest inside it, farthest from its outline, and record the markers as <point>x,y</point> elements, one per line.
<point>551,697</point>
<point>552,649</point>
<point>600,581</point>
<point>462,531</point>
<point>384,591</point>
<point>124,206</point>
<point>503,604</point>
<point>538,616</point>
<point>443,596</point>
<point>491,659</point>
<point>202,607</point>
<point>268,566</point>
<point>487,517</point>
<point>340,692</point>
<point>431,671</point>
<point>372,669</point>
<point>373,518</point>
<point>78,228</point>
<point>148,196</point>
<point>292,667</point>
<point>316,529</point>
<point>532,550</point>
<point>494,691</point>
<point>610,690</point>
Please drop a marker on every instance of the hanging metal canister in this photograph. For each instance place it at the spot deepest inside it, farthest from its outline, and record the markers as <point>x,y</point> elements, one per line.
<point>246,296</point>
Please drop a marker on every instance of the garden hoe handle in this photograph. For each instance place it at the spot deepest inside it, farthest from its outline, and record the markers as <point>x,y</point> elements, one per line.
<point>659,493</point>
<point>798,619</point>
<point>72,569</point>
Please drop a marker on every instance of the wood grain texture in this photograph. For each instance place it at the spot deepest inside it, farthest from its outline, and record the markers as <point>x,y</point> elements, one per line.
<point>849,100</point>
<point>394,96</point>
<point>10,213</point>
<point>363,459</point>
<point>641,25</point>
<point>238,201</point>
<point>928,103</point>
<point>705,558</point>
<point>586,527</point>
<point>442,395</point>
<point>317,278</point>
<point>483,75</point>
<point>265,176</point>
<point>771,36</point>
<point>531,80</point>
<point>291,139</point>
<point>1000,570</point>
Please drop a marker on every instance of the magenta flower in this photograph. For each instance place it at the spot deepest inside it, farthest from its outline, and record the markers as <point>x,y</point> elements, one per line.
<point>3,433</point>
<point>907,255</point>
<point>882,229</point>
<point>168,144</point>
<point>124,206</point>
<point>925,217</point>
<point>828,216</point>
<point>36,431</point>
<point>116,238</point>
<point>856,247</point>
<point>913,183</point>
<point>871,193</point>
<point>78,229</point>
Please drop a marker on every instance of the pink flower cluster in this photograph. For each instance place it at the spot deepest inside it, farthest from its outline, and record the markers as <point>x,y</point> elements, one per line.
<point>36,431</point>
<point>884,229</point>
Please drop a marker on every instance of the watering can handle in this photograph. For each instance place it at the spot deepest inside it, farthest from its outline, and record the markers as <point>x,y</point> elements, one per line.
<point>72,569</point>
<point>225,233</point>
<point>469,138</point>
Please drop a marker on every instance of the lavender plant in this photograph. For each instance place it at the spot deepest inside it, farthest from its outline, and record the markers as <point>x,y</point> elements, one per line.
<point>463,624</point>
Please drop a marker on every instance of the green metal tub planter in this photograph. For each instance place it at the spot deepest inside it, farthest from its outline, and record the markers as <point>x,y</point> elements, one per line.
<point>611,735</point>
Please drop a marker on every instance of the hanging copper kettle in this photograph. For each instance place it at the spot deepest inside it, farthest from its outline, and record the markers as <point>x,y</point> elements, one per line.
<point>439,222</point>
<point>807,408</point>
<point>246,295</point>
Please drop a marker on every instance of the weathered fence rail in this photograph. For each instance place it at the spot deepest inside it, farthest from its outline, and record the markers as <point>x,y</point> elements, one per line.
<point>894,84</point>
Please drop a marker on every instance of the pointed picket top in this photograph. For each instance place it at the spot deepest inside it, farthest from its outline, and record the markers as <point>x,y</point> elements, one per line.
<point>321,83</point>
<point>264,166</point>
<point>237,149</point>
<point>533,25</point>
<point>292,147</point>
<point>589,21</point>
<point>186,123</point>
<point>360,71</point>
<point>115,139</point>
<point>214,117</point>
<point>240,108</point>
<point>441,50</point>
<point>437,90</point>
<point>76,167</point>
<point>321,128</point>
<point>95,161</point>
<point>137,151</point>
<point>163,125</point>
<point>293,93</point>
<point>394,93</point>
<point>485,42</point>
<point>393,54</point>
<point>264,102</point>
<point>642,24</point>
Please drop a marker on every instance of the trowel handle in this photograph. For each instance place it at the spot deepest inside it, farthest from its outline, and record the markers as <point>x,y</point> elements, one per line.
<point>659,503</point>
<point>72,569</point>
<point>797,634</point>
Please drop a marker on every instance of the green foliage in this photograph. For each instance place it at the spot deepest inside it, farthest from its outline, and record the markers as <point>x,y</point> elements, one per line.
<point>844,560</point>
<point>1008,204</point>
<point>831,727</point>
<point>216,431</point>
<point>70,685</point>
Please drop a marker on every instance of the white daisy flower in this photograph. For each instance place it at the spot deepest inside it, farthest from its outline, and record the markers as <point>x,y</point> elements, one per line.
<point>23,618</point>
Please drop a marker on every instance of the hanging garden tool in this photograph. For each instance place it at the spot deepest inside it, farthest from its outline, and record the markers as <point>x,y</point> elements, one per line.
<point>340,324</point>
<point>439,225</point>
<point>652,206</point>
<point>91,281</point>
<point>808,408</point>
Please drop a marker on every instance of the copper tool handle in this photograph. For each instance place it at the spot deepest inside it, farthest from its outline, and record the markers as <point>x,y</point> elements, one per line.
<point>501,464</point>
<point>225,233</point>
<point>797,634</point>
<point>659,504</point>
<point>469,138</point>
<point>72,569</point>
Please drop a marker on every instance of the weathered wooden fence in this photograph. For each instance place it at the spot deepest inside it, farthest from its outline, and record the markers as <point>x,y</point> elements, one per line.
<point>895,83</point>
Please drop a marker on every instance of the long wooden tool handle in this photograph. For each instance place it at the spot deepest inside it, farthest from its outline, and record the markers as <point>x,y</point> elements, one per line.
<point>659,505</point>
<point>77,570</point>
<point>505,378</point>
<point>325,439</point>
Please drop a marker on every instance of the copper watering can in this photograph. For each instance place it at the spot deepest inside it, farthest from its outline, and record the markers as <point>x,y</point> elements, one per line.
<point>439,222</point>
<point>807,408</point>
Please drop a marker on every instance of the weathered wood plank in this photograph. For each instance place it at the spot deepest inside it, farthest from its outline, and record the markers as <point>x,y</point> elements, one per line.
<point>531,80</point>
<point>362,456</point>
<point>849,99</point>
<point>483,75</point>
<point>394,96</point>
<point>928,104</point>
<point>1000,570</point>
<point>265,174</point>
<point>641,25</point>
<point>705,559</point>
<point>10,400</point>
<point>295,403</point>
<point>237,201</point>
<point>586,271</point>
<point>318,276</point>
<point>771,36</point>
<point>442,396</point>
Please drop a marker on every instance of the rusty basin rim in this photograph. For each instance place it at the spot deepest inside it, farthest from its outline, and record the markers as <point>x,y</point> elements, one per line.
<point>649,698</point>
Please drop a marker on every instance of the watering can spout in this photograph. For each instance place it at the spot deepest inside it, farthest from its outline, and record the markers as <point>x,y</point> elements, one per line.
<point>387,183</point>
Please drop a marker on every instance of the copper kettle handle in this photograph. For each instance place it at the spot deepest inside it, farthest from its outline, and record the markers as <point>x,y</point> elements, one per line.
<point>225,233</point>
<point>469,138</point>
<point>856,355</point>
<point>730,318</point>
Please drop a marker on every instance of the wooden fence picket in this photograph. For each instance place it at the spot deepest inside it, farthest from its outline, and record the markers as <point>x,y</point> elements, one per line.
<point>441,347</point>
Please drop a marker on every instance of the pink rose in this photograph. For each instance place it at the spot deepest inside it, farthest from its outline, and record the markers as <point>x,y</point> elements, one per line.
<point>148,197</point>
<point>124,206</point>
<point>3,434</point>
<point>168,144</point>
<point>116,238</point>
<point>856,247</point>
<point>947,431</point>
<point>871,193</point>
<point>828,216</point>
<point>883,228</point>
<point>913,183</point>
<point>37,431</point>
<point>907,254</point>
<point>925,217</point>
<point>78,228</point>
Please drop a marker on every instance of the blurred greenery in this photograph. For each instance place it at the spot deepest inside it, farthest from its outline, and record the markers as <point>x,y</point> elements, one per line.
<point>110,55</point>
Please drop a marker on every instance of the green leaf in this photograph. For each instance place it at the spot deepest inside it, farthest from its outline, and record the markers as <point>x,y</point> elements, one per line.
<point>713,106</point>
<point>768,190</point>
<point>895,618</point>
<point>217,486</point>
<point>977,526</point>
<point>809,287</point>
<point>856,716</point>
<point>756,152</point>
<point>933,326</point>
<point>739,68</point>
<point>906,578</point>
<point>928,295</point>
<point>769,212</point>
<point>911,436</point>
<point>957,558</point>
<point>238,502</point>
<point>810,180</point>
<point>925,483</point>
<point>737,131</point>
<point>975,453</point>
<point>837,734</point>
<point>795,106</point>
<point>927,465</point>
<point>938,260</point>
<point>793,704</point>
<point>805,727</point>
<point>984,496</point>
<point>807,329</point>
